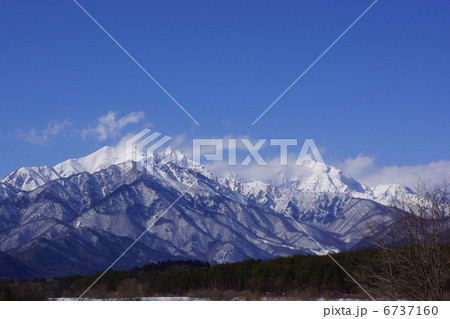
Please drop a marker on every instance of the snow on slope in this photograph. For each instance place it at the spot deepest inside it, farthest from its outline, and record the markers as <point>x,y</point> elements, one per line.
<point>29,178</point>
<point>311,178</point>
<point>6,191</point>
<point>101,159</point>
<point>211,222</point>
<point>102,206</point>
<point>325,179</point>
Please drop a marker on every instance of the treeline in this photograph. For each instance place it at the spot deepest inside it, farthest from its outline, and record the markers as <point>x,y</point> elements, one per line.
<point>299,277</point>
<point>295,277</point>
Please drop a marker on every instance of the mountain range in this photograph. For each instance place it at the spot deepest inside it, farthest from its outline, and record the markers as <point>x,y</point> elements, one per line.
<point>77,217</point>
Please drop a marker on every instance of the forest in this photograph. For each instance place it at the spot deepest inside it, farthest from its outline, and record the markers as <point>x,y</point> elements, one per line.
<point>298,277</point>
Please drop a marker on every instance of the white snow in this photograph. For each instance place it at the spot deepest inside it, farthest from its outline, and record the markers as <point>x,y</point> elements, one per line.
<point>311,178</point>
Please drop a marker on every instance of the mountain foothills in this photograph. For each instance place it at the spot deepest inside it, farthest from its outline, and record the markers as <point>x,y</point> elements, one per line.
<point>77,217</point>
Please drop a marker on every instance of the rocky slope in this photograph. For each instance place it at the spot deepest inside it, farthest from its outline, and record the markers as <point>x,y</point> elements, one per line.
<point>80,215</point>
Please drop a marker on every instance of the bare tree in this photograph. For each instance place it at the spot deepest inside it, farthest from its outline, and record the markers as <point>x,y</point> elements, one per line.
<point>412,261</point>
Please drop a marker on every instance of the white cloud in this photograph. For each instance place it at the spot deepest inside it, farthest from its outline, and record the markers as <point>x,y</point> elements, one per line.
<point>364,169</point>
<point>273,172</point>
<point>41,137</point>
<point>109,125</point>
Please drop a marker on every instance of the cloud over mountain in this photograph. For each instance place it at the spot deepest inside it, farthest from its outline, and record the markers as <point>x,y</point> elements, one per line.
<point>364,169</point>
<point>110,125</point>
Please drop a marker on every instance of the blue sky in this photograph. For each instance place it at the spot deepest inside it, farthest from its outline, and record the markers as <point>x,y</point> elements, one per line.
<point>382,92</point>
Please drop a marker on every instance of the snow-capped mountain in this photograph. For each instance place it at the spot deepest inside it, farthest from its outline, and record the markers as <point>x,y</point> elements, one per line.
<point>78,216</point>
<point>314,178</point>
<point>29,178</point>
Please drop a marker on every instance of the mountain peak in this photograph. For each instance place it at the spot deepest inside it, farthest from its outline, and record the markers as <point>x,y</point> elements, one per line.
<point>310,177</point>
<point>100,159</point>
<point>29,178</point>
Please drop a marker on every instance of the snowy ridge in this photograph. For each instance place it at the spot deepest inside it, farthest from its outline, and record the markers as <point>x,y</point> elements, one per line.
<point>101,159</point>
<point>29,178</point>
<point>314,178</point>
<point>66,214</point>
